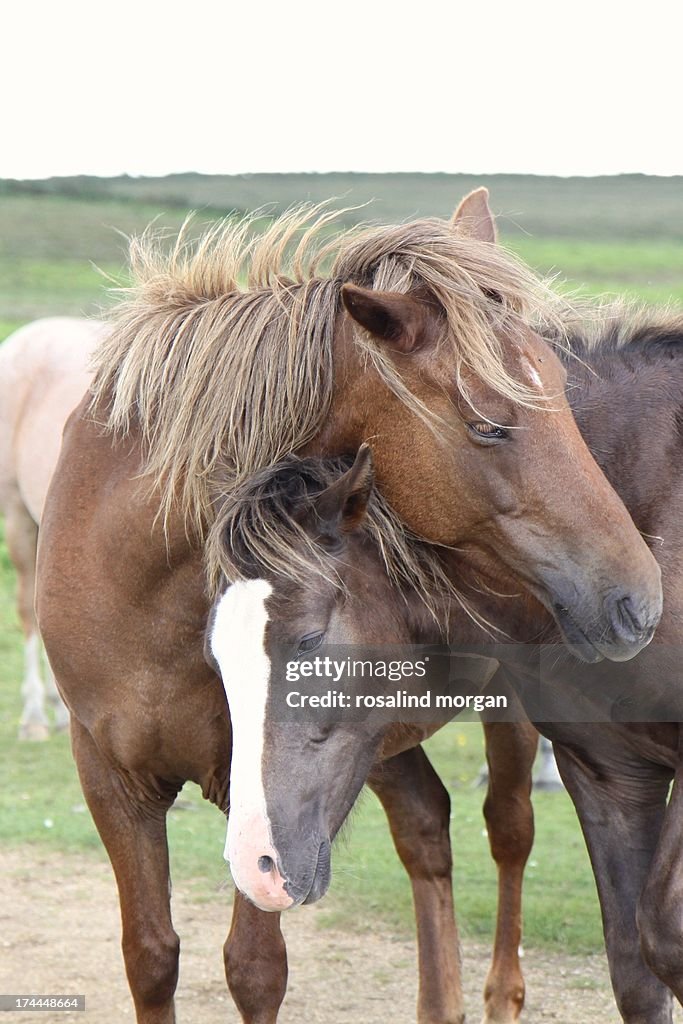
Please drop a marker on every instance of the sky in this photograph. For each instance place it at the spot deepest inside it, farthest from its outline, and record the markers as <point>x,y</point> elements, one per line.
<point>149,88</point>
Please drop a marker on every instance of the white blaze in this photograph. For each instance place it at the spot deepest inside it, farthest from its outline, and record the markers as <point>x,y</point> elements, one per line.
<point>238,645</point>
<point>533,374</point>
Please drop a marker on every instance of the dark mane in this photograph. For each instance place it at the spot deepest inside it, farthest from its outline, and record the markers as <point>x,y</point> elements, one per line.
<point>257,528</point>
<point>623,330</point>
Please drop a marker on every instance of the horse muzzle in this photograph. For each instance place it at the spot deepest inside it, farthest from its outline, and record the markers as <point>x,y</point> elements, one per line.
<point>306,888</point>
<point>617,631</point>
<point>279,879</point>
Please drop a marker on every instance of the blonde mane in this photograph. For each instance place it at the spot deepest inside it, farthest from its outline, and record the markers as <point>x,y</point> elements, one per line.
<point>221,351</point>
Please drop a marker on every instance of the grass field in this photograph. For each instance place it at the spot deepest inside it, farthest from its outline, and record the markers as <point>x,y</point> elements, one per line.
<point>58,238</point>
<point>600,235</point>
<point>631,206</point>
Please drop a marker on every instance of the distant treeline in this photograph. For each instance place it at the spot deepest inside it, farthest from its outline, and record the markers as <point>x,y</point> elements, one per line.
<point>628,206</point>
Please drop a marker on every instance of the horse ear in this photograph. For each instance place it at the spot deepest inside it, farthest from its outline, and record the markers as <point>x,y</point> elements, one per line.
<point>341,507</point>
<point>473,217</point>
<point>390,316</point>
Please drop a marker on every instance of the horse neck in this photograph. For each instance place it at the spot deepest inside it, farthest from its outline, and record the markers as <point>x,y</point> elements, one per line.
<point>345,425</point>
<point>396,609</point>
<point>626,403</point>
<point>495,607</point>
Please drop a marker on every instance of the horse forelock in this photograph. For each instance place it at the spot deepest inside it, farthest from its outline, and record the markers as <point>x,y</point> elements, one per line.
<point>222,378</point>
<point>484,291</point>
<point>257,530</point>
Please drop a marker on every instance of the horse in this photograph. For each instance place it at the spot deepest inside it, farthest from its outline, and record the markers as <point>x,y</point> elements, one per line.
<point>422,336</point>
<point>56,351</point>
<point>620,757</point>
<point>615,728</point>
<point>43,376</point>
<point>295,775</point>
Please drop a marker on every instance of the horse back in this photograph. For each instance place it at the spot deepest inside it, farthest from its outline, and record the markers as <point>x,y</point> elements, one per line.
<point>43,375</point>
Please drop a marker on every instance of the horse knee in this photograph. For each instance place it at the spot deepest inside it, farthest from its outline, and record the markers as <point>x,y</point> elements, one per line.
<point>152,968</point>
<point>424,843</point>
<point>638,1002</point>
<point>256,977</point>
<point>510,825</point>
<point>660,928</point>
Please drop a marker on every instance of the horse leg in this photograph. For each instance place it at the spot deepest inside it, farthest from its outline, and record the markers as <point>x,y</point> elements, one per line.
<point>418,808</point>
<point>132,824</point>
<point>659,911</point>
<point>255,962</point>
<point>510,752</point>
<point>621,807</point>
<point>21,534</point>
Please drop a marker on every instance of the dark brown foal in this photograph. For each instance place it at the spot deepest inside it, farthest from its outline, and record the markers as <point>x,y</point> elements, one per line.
<point>616,729</point>
<point>291,497</point>
<point>418,806</point>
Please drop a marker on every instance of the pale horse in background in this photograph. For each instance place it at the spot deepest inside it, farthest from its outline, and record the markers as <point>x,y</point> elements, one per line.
<point>43,376</point>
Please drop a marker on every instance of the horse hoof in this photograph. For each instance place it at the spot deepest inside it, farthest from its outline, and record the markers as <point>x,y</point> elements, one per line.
<point>510,1016</point>
<point>34,732</point>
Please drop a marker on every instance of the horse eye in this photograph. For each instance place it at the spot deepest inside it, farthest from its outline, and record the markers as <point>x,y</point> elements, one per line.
<point>488,431</point>
<point>309,643</point>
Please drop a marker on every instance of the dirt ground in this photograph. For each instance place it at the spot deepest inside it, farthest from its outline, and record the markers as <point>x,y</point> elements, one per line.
<point>59,933</point>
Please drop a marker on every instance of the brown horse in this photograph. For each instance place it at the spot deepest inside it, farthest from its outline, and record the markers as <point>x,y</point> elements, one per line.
<point>420,337</point>
<point>43,374</point>
<point>298,765</point>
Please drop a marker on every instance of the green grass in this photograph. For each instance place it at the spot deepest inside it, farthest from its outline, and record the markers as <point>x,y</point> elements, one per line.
<point>649,269</point>
<point>62,256</point>
<point>630,206</point>
<point>370,883</point>
<point>56,227</point>
<point>33,288</point>
<point>52,244</point>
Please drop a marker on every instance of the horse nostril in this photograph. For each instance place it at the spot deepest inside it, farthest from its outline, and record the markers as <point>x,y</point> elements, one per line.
<point>265,864</point>
<point>628,616</point>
